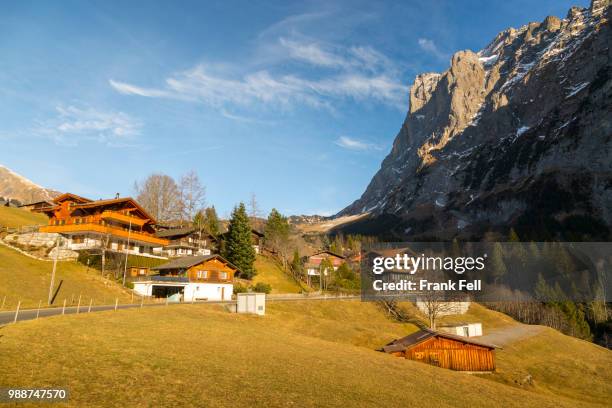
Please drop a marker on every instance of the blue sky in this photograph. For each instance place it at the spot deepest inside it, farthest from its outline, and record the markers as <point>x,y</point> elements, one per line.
<point>297,102</point>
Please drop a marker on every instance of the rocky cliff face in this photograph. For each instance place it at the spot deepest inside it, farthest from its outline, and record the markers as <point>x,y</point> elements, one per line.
<point>16,187</point>
<point>515,135</point>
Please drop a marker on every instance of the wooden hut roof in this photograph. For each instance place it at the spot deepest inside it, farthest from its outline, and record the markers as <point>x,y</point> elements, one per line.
<point>414,339</point>
<point>187,262</point>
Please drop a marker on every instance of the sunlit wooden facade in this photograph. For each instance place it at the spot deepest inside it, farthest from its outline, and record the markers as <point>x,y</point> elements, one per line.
<point>444,350</point>
<point>119,224</point>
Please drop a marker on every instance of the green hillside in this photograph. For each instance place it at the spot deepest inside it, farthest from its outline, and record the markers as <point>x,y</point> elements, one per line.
<point>16,217</point>
<point>26,279</point>
<point>270,272</point>
<point>302,354</point>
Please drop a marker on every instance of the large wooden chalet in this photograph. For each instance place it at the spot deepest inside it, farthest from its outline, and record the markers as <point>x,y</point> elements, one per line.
<point>444,350</point>
<point>190,278</point>
<point>119,224</point>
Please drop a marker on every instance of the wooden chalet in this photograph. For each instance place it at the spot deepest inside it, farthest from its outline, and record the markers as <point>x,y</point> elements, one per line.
<point>119,224</point>
<point>313,262</point>
<point>205,277</point>
<point>186,241</point>
<point>444,350</point>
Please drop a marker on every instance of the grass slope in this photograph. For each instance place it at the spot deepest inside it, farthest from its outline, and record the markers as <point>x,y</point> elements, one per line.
<point>16,217</point>
<point>270,272</point>
<point>27,279</point>
<point>306,354</point>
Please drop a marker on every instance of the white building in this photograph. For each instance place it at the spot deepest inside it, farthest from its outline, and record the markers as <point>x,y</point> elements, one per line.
<point>191,278</point>
<point>462,329</point>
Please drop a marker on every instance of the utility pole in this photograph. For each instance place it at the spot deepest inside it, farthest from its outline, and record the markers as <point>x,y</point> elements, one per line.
<point>53,272</point>
<point>126,252</point>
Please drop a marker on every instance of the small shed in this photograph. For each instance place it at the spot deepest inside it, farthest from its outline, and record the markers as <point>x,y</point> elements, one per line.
<point>252,302</point>
<point>444,350</point>
<point>462,329</point>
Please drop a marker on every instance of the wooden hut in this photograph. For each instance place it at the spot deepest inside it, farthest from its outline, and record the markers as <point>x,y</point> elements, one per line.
<point>444,350</point>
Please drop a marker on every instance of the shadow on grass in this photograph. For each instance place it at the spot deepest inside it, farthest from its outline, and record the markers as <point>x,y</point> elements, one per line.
<point>57,291</point>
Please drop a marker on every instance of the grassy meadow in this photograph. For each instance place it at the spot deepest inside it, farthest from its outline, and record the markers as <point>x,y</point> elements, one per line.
<point>17,217</point>
<point>302,354</point>
<point>26,279</point>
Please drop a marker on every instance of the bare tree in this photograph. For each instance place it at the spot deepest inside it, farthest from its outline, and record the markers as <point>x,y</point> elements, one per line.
<point>193,195</point>
<point>254,211</point>
<point>160,196</point>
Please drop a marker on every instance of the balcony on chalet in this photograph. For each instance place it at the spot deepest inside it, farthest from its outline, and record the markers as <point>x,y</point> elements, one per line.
<point>123,218</point>
<point>161,278</point>
<point>104,229</point>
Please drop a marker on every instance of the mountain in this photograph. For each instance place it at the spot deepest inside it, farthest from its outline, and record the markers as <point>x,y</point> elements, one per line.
<point>515,135</point>
<point>16,187</point>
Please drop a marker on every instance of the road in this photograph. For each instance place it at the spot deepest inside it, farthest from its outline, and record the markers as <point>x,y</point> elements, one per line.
<point>30,314</point>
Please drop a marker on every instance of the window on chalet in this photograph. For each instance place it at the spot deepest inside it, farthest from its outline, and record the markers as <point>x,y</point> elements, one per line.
<point>222,275</point>
<point>202,274</point>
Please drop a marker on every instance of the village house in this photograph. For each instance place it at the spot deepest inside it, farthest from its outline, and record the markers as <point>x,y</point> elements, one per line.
<point>444,350</point>
<point>191,278</point>
<point>185,241</point>
<point>119,224</point>
<point>312,264</point>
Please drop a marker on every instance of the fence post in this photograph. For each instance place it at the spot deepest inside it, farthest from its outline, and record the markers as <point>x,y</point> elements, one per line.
<point>3,300</point>
<point>132,296</point>
<point>79,304</point>
<point>90,302</point>
<point>116,303</point>
<point>38,310</point>
<point>64,307</point>
<point>141,301</point>
<point>17,311</point>
<point>166,300</point>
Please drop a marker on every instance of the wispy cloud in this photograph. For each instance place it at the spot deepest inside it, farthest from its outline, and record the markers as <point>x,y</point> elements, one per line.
<point>312,53</point>
<point>430,47</point>
<point>355,144</point>
<point>73,124</point>
<point>320,75</point>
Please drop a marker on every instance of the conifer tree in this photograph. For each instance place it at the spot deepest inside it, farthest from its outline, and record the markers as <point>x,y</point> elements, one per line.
<point>239,245</point>
<point>212,221</point>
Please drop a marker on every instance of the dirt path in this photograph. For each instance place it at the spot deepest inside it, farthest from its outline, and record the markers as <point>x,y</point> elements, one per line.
<point>507,335</point>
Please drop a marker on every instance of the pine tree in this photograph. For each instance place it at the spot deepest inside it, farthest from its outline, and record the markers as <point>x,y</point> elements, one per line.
<point>212,221</point>
<point>498,266</point>
<point>296,264</point>
<point>239,246</point>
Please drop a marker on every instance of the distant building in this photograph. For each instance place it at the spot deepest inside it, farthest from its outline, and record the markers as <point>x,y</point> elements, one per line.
<point>462,329</point>
<point>187,241</point>
<point>258,240</point>
<point>190,278</point>
<point>312,264</point>
<point>38,206</point>
<point>444,350</point>
<point>119,224</point>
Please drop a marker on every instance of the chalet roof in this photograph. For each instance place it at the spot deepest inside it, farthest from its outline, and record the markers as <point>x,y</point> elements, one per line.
<point>258,233</point>
<point>175,232</point>
<point>189,261</point>
<point>325,251</point>
<point>38,202</point>
<point>65,196</point>
<point>416,338</point>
